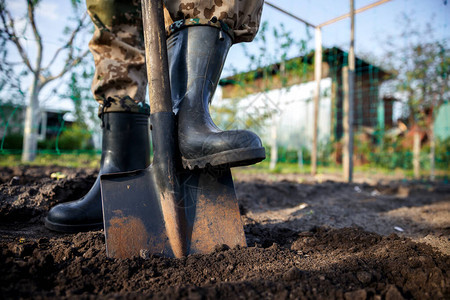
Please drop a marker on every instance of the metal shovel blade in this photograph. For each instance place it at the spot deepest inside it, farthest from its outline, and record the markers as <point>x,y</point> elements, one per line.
<point>212,210</point>
<point>132,215</point>
<point>134,220</point>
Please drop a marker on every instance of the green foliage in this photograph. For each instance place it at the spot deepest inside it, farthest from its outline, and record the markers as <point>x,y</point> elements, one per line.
<point>80,94</point>
<point>391,153</point>
<point>63,56</point>
<point>13,141</point>
<point>423,67</point>
<point>291,156</point>
<point>422,83</point>
<point>47,144</point>
<point>391,158</point>
<point>325,154</point>
<point>75,138</point>
<point>443,154</point>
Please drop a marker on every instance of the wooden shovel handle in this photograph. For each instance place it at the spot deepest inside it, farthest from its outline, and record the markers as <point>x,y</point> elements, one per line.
<point>156,56</point>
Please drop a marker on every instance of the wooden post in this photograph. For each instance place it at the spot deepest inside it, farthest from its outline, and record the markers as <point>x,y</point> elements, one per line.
<point>346,161</point>
<point>273,143</point>
<point>433,138</point>
<point>348,168</point>
<point>432,150</point>
<point>349,91</point>
<point>416,153</point>
<point>317,78</point>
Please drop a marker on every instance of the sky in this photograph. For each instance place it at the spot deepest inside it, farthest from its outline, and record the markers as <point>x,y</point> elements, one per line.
<point>373,28</point>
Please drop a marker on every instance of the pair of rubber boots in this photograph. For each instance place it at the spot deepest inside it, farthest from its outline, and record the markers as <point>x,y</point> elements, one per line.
<point>196,58</point>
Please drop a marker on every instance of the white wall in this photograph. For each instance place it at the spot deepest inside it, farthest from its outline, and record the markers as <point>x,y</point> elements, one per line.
<point>294,108</point>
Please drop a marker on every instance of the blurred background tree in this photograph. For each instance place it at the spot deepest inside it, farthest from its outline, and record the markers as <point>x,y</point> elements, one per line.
<point>40,71</point>
<point>423,68</point>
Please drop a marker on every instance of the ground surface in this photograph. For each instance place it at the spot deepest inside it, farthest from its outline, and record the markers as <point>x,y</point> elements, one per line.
<point>307,240</point>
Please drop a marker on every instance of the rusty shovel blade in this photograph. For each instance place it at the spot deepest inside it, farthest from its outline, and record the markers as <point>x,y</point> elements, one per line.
<point>144,210</point>
<point>134,219</point>
<point>212,210</point>
<point>167,210</point>
<point>132,215</point>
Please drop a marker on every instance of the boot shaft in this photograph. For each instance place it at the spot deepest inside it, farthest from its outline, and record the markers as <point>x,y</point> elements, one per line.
<point>196,58</point>
<point>126,142</point>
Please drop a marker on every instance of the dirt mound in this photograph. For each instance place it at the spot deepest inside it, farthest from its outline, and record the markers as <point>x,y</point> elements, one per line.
<point>28,192</point>
<point>293,253</point>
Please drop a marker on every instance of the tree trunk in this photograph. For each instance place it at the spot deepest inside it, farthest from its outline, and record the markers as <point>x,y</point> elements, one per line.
<point>30,132</point>
<point>416,154</point>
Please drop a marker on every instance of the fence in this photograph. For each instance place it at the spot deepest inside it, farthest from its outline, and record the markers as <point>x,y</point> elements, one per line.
<point>277,102</point>
<point>55,134</point>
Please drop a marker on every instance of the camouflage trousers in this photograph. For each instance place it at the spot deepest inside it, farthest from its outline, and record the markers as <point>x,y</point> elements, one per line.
<point>120,79</point>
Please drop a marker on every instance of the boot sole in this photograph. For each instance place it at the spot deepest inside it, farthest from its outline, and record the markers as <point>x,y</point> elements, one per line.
<point>230,158</point>
<point>66,228</point>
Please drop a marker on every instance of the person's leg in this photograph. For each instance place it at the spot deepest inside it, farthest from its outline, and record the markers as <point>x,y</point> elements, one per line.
<point>240,18</point>
<point>119,85</point>
<point>198,43</point>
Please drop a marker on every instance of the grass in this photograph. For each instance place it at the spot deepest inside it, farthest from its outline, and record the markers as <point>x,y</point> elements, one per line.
<point>287,168</point>
<point>92,160</point>
<point>80,160</point>
<point>363,171</point>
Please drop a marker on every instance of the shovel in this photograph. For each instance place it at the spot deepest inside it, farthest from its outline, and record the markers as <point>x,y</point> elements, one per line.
<point>166,210</point>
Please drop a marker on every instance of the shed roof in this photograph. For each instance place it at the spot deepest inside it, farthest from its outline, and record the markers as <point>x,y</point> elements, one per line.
<point>335,58</point>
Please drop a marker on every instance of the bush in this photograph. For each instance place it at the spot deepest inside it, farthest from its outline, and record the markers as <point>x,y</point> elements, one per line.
<point>47,144</point>
<point>325,154</point>
<point>391,154</point>
<point>13,141</point>
<point>443,153</point>
<point>290,155</point>
<point>74,138</point>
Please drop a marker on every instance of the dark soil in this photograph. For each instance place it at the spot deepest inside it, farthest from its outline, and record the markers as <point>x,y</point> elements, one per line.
<point>313,240</point>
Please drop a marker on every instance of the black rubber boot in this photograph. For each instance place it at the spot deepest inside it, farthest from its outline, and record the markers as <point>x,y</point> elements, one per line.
<point>196,58</point>
<point>125,147</point>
